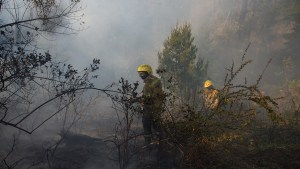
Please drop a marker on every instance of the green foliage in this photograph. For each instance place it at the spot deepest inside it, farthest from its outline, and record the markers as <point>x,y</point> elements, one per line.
<point>219,135</point>
<point>179,68</point>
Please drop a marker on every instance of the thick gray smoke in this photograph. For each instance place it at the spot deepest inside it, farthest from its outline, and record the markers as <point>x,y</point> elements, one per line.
<point>125,34</point>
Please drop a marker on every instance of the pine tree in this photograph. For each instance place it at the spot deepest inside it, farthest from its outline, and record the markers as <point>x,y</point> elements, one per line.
<point>180,69</point>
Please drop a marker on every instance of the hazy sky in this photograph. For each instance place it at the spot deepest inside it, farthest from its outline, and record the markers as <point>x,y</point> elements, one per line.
<point>125,34</point>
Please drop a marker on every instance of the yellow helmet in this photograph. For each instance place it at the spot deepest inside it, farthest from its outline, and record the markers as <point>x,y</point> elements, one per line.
<point>145,68</point>
<point>207,83</point>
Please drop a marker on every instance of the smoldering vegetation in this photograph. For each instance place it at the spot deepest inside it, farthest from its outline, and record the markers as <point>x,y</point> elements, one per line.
<point>55,116</point>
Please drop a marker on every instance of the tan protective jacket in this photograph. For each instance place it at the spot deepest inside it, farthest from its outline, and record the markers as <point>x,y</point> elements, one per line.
<point>211,98</point>
<point>153,95</point>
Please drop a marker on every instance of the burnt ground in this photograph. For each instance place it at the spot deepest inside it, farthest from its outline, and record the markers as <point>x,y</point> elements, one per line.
<point>92,149</point>
<point>241,157</point>
<point>78,151</point>
<point>84,152</point>
<point>276,158</point>
<point>83,148</point>
<point>75,151</point>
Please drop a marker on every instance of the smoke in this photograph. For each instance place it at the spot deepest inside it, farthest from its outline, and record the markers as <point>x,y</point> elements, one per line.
<point>125,34</point>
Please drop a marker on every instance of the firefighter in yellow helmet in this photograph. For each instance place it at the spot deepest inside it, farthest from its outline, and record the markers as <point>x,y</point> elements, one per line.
<point>152,99</point>
<point>211,95</point>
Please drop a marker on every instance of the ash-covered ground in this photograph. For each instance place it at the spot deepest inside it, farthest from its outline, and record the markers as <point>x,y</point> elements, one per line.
<point>94,142</point>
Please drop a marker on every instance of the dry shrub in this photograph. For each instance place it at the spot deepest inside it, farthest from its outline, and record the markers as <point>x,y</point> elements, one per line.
<point>214,138</point>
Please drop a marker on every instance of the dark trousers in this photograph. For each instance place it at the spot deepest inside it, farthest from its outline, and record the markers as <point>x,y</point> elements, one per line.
<point>150,122</point>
